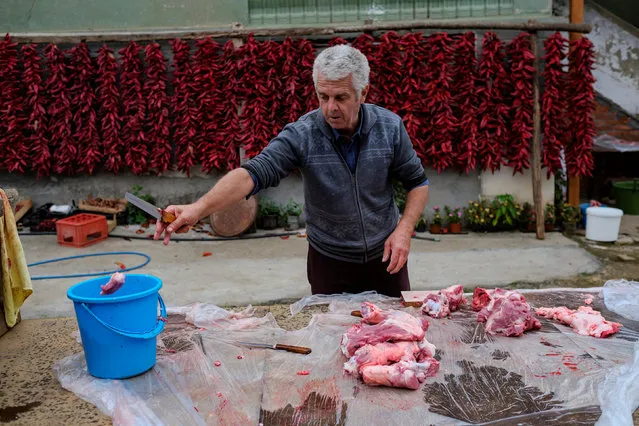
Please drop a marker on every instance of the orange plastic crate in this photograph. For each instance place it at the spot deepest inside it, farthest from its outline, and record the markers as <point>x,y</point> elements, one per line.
<point>82,230</point>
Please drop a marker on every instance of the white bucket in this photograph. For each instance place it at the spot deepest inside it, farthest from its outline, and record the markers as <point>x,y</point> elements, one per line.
<point>603,224</point>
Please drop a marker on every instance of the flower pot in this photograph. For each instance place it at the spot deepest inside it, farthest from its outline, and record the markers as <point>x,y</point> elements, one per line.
<point>293,223</point>
<point>549,227</point>
<point>282,221</point>
<point>570,228</point>
<point>435,229</point>
<point>269,222</point>
<point>454,228</point>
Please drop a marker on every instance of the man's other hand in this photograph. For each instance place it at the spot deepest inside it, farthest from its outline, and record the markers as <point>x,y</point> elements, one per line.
<point>397,246</point>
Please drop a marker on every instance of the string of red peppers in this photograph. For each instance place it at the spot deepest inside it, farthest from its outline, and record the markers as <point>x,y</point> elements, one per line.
<point>134,107</point>
<point>439,148</point>
<point>157,127</point>
<point>290,106</point>
<point>86,136</point>
<point>553,103</point>
<point>493,103</point>
<point>205,72</point>
<point>365,43</point>
<point>109,112</point>
<point>35,111</point>
<point>581,105</point>
<point>465,102</point>
<point>388,63</point>
<point>12,143</point>
<point>185,126</point>
<point>522,73</point>
<point>60,116</point>
<point>308,97</point>
<point>228,115</point>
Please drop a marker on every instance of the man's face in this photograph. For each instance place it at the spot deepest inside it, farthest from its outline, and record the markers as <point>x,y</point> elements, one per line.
<point>339,103</point>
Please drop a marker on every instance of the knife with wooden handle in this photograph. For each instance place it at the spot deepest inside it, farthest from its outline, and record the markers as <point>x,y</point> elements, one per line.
<point>288,348</point>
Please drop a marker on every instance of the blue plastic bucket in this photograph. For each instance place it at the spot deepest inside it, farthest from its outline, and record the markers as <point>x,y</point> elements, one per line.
<point>119,330</point>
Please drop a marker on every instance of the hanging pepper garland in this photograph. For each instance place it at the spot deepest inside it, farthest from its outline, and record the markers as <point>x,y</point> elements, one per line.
<point>308,97</point>
<point>441,122</point>
<point>465,102</point>
<point>388,63</point>
<point>206,75</point>
<point>60,117</point>
<point>365,44</point>
<point>14,151</point>
<point>109,111</point>
<point>35,111</point>
<point>133,107</point>
<point>553,103</point>
<point>85,134</point>
<point>581,105</point>
<point>274,88</point>
<point>493,103</point>
<point>227,141</point>
<point>157,127</point>
<point>184,108</point>
<point>254,123</point>
<point>290,105</point>
<point>410,99</point>
<point>522,73</point>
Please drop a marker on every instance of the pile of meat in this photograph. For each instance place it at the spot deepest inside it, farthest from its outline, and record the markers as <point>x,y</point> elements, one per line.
<point>442,303</point>
<point>114,284</point>
<point>504,312</point>
<point>389,348</point>
<point>585,320</point>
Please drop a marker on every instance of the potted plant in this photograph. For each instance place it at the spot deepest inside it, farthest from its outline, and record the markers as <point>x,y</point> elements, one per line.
<point>526,218</point>
<point>436,224</point>
<point>294,211</point>
<point>453,219</point>
<point>549,217</point>
<point>421,224</point>
<point>570,215</point>
<point>269,213</point>
<point>477,215</point>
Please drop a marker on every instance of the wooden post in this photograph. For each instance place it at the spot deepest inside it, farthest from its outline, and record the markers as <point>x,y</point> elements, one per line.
<point>536,142</point>
<point>576,17</point>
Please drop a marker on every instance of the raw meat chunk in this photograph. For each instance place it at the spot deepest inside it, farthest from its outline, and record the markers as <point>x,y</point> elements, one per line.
<point>371,314</point>
<point>481,298</point>
<point>589,298</point>
<point>508,313</point>
<point>436,305</point>
<point>455,296</point>
<point>442,303</point>
<point>389,330</point>
<point>114,284</point>
<point>403,374</point>
<point>388,353</point>
<point>585,320</point>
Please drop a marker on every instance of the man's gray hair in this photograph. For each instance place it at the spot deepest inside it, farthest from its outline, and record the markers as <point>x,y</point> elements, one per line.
<point>337,62</point>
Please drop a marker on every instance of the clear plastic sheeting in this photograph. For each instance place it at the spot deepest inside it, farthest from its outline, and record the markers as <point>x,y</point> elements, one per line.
<point>622,297</point>
<point>619,394</point>
<point>204,376</point>
<point>335,302</point>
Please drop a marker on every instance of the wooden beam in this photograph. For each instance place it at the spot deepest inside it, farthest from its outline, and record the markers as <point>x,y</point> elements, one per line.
<point>536,142</point>
<point>577,18</point>
<point>237,31</point>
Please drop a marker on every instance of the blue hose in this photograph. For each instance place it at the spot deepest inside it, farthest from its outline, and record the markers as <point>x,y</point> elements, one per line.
<point>95,274</point>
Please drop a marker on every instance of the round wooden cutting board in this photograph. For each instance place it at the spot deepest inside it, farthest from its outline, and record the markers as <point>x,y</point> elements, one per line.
<point>236,219</point>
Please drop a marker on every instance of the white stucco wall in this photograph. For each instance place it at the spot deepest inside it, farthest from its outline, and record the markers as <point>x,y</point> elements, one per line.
<point>520,185</point>
<point>617,51</point>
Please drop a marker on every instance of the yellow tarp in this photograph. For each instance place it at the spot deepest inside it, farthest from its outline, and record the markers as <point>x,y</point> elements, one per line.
<point>16,281</point>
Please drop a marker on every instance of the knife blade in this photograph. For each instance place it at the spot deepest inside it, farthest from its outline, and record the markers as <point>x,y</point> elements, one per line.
<point>156,212</point>
<point>279,347</point>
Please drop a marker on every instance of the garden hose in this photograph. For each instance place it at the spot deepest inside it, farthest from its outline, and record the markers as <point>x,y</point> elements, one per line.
<point>94,274</point>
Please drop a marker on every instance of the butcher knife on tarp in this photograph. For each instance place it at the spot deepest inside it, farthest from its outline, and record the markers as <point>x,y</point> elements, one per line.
<point>279,347</point>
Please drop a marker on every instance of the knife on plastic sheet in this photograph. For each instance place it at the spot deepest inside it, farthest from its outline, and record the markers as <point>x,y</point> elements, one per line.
<point>158,213</point>
<point>279,347</point>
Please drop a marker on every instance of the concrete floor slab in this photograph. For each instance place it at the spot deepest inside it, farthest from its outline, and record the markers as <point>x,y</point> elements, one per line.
<point>268,269</point>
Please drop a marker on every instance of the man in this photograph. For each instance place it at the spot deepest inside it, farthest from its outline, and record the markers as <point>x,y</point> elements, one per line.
<point>348,152</point>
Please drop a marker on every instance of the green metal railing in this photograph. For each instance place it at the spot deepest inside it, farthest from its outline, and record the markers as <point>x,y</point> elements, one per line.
<point>300,12</point>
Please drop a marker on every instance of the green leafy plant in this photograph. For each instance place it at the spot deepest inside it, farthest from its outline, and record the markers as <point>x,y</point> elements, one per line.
<point>399,194</point>
<point>453,215</point>
<point>506,210</point>
<point>268,207</point>
<point>526,214</point>
<point>477,214</point>
<point>570,214</point>
<point>293,208</point>
<point>134,214</point>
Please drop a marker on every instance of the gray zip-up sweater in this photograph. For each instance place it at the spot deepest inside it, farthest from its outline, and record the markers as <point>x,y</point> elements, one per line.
<point>349,215</point>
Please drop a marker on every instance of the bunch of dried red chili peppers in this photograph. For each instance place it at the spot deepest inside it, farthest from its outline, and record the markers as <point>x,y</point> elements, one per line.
<point>68,112</point>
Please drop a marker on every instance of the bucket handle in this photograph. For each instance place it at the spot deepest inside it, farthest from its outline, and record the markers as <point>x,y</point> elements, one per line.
<point>134,334</point>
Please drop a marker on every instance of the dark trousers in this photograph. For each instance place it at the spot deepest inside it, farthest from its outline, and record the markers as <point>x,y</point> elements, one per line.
<point>330,276</point>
